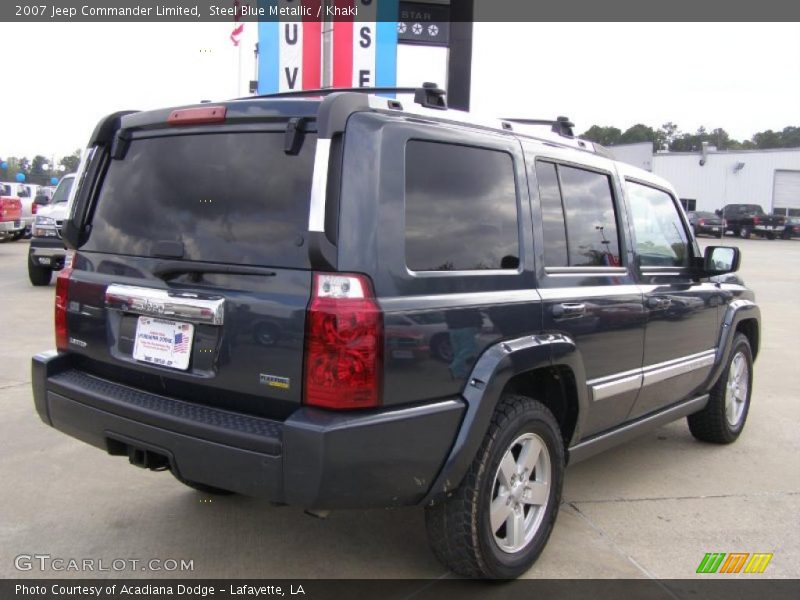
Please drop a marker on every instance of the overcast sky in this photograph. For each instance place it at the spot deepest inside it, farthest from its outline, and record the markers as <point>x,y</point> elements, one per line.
<point>742,77</point>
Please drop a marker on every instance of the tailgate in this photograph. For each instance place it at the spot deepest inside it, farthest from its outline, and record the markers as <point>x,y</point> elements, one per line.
<point>194,280</point>
<point>10,209</point>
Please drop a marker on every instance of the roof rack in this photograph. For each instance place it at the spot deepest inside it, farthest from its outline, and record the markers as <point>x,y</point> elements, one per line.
<point>429,95</point>
<point>562,125</point>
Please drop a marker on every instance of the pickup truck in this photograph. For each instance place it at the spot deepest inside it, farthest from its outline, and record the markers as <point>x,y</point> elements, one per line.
<point>748,219</point>
<point>11,225</point>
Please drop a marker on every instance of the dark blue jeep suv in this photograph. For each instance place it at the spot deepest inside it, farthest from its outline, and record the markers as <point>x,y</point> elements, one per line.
<point>346,300</point>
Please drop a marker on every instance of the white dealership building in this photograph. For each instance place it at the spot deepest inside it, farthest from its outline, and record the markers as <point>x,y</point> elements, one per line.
<point>710,179</point>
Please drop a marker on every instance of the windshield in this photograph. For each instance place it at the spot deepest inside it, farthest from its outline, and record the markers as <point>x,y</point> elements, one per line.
<point>234,198</point>
<point>62,191</point>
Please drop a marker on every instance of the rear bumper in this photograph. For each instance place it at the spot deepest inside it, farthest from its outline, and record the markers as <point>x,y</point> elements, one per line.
<point>7,227</point>
<point>315,459</point>
<point>50,249</point>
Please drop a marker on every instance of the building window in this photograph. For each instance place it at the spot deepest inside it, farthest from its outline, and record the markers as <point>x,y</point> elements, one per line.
<point>461,208</point>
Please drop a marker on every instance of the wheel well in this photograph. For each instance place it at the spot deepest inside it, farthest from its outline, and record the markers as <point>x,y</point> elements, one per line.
<point>555,388</point>
<point>749,327</point>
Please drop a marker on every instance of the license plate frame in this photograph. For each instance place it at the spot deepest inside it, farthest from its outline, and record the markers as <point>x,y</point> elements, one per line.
<point>163,342</point>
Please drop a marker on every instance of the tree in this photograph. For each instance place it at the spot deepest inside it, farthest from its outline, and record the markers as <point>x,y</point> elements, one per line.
<point>72,161</point>
<point>638,133</point>
<point>606,136</point>
<point>788,138</point>
<point>39,174</point>
<point>666,135</point>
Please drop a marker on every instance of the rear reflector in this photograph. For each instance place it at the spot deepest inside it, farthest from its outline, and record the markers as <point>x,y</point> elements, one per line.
<point>62,297</point>
<point>344,343</point>
<point>196,116</point>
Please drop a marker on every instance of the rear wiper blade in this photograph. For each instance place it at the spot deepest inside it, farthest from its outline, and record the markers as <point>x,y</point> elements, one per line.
<point>169,269</point>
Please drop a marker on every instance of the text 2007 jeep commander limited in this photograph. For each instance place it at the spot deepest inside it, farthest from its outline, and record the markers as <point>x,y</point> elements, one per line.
<point>346,301</point>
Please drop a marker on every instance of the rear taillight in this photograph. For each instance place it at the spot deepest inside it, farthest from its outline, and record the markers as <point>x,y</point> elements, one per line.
<point>34,208</point>
<point>344,343</point>
<point>756,220</point>
<point>702,222</point>
<point>62,297</point>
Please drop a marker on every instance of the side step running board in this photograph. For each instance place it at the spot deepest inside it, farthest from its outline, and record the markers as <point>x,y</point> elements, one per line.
<point>606,440</point>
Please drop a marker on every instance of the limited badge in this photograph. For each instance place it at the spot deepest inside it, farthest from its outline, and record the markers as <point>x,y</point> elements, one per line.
<point>274,381</point>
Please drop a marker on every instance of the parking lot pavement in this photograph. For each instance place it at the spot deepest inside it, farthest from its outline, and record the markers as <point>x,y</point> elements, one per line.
<point>651,508</point>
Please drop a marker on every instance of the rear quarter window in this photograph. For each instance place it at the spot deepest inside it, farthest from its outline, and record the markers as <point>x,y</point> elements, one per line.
<point>460,208</point>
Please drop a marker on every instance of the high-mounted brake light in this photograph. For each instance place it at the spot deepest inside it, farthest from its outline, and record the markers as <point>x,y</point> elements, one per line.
<point>62,297</point>
<point>197,116</point>
<point>344,343</point>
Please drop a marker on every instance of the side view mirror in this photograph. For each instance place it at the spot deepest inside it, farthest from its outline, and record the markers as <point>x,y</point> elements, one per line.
<point>719,260</point>
<point>41,200</point>
<point>718,212</point>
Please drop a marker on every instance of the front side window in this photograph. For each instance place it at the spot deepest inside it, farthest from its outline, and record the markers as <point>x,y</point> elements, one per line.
<point>461,208</point>
<point>661,240</point>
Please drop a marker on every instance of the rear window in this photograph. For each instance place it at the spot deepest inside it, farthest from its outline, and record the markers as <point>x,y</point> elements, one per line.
<point>228,197</point>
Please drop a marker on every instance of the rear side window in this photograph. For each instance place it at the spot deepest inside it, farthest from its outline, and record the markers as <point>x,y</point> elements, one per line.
<point>228,197</point>
<point>461,208</point>
<point>579,217</point>
<point>555,234</point>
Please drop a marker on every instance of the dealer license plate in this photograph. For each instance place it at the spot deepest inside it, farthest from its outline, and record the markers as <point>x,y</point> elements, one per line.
<point>163,342</point>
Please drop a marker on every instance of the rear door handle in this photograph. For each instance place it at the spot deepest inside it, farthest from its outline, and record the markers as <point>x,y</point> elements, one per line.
<point>569,311</point>
<point>658,302</point>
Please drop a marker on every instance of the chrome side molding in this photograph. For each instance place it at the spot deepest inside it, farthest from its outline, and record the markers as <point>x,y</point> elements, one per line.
<point>619,383</point>
<point>161,303</point>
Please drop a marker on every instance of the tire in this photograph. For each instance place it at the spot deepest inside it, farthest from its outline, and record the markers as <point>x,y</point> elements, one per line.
<point>459,528</point>
<point>39,276</point>
<point>721,422</point>
<point>744,233</point>
<point>202,487</point>
<point>770,236</point>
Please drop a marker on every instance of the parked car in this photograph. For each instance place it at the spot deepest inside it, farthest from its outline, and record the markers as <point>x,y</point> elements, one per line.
<point>26,192</point>
<point>707,223</point>
<point>46,252</point>
<point>792,228</point>
<point>11,224</point>
<point>337,216</point>
<point>748,219</point>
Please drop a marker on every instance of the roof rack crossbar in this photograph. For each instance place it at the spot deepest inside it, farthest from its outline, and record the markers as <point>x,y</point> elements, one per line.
<point>328,91</point>
<point>429,95</point>
<point>562,125</point>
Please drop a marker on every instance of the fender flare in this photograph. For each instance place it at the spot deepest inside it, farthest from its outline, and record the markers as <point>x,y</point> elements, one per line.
<point>493,370</point>
<point>737,311</point>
